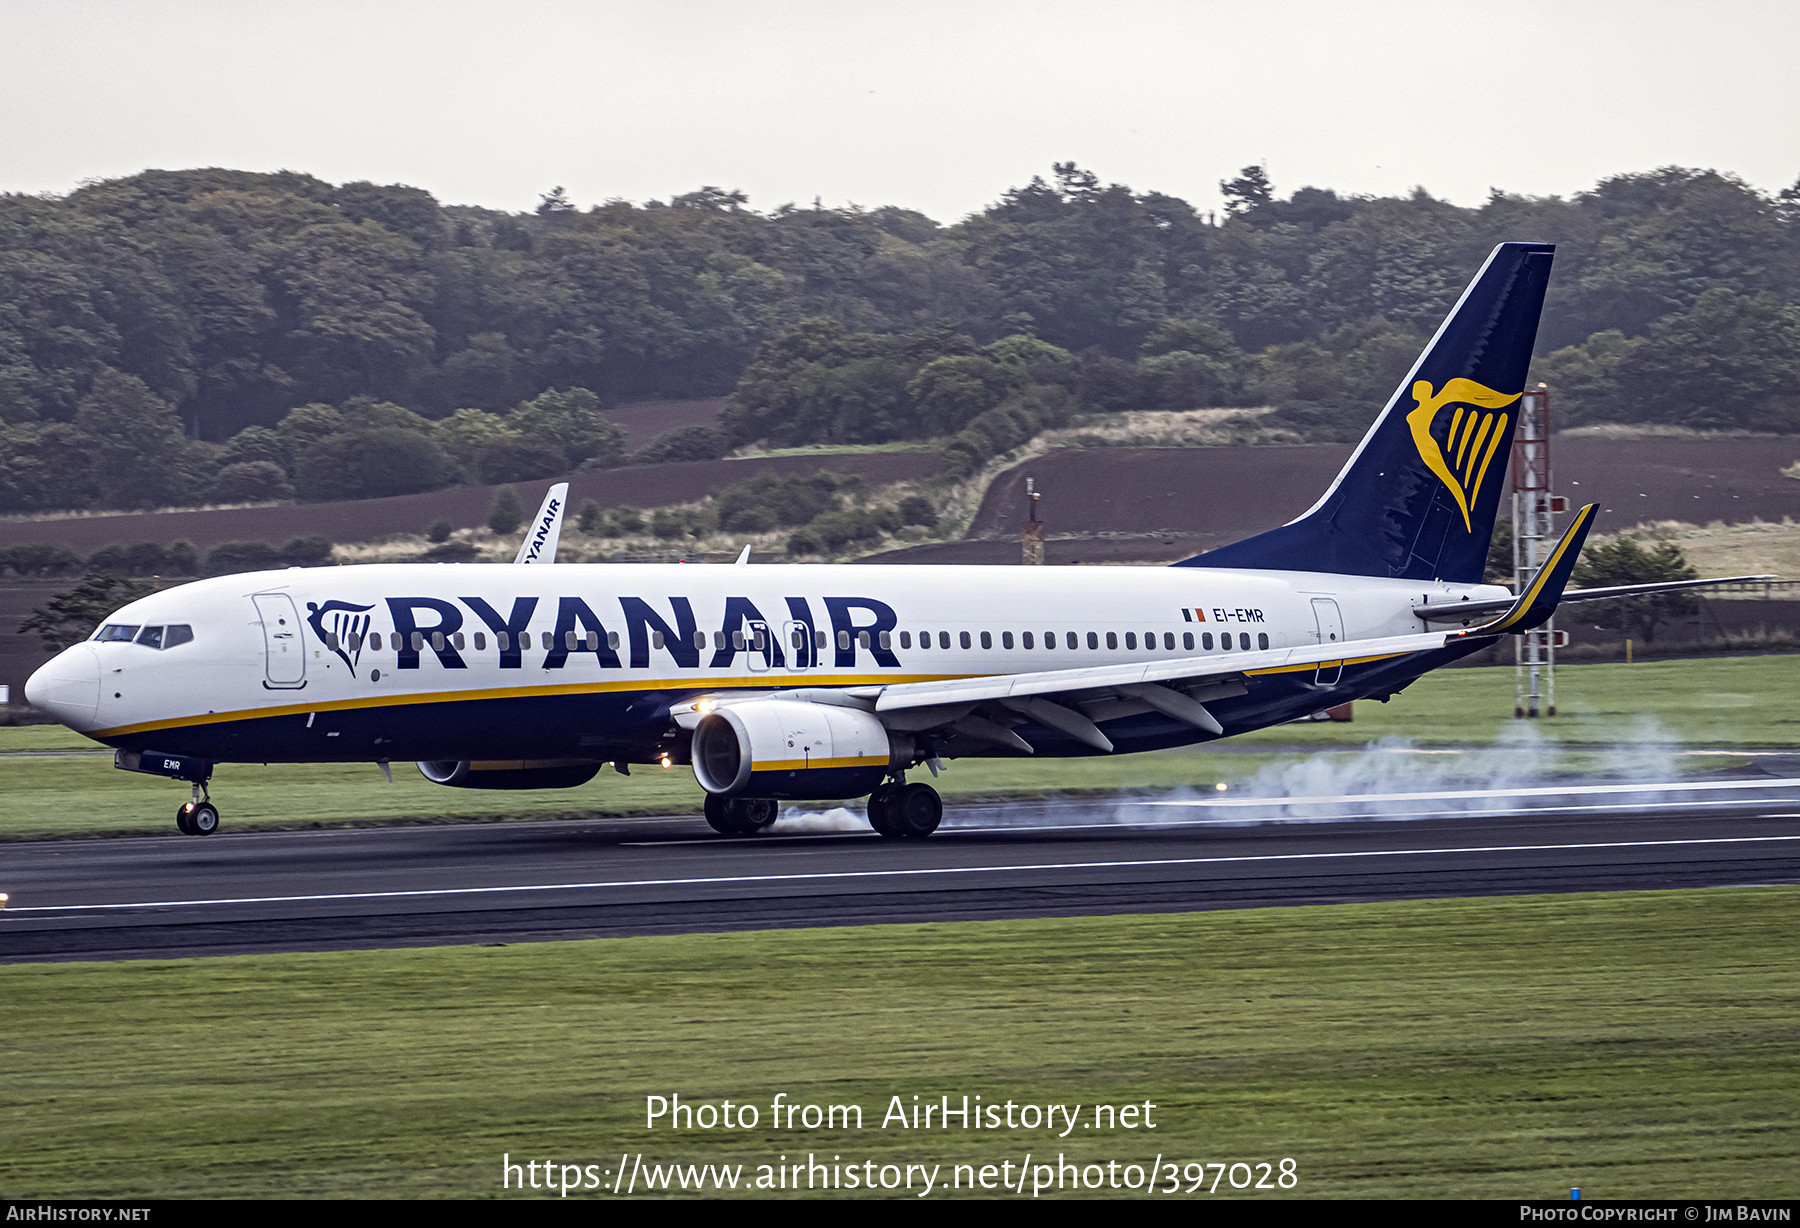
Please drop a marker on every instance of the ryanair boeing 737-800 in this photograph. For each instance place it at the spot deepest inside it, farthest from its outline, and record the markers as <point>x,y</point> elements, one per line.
<point>799,681</point>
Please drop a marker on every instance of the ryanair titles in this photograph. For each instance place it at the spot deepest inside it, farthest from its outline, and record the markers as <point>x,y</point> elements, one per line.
<point>621,633</point>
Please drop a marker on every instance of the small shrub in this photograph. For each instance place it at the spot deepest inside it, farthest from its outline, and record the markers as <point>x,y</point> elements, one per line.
<point>505,515</point>
<point>439,531</point>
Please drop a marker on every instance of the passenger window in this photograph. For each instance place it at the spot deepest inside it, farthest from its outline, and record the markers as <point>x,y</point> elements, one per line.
<point>844,640</point>
<point>1093,641</point>
<point>1206,640</point>
<point>549,640</point>
<point>656,639</point>
<point>987,640</point>
<point>886,639</point>
<point>943,639</point>
<point>612,639</point>
<point>150,637</point>
<point>458,640</point>
<point>1187,640</point>
<point>1131,639</point>
<point>1025,640</point>
<point>1049,640</point>
<point>418,641</point>
<point>906,639</point>
<point>1074,641</point>
<point>178,633</point>
<point>1262,640</point>
<point>437,641</point>
<point>820,640</point>
<point>1169,641</point>
<point>737,641</point>
<point>1112,640</point>
<point>480,641</point>
<point>1244,640</point>
<point>964,639</point>
<point>699,639</point>
<point>502,641</point>
<point>117,633</point>
<point>862,639</point>
<point>1006,639</point>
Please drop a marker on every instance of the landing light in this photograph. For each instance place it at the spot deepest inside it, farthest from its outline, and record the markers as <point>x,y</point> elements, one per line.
<point>3,898</point>
<point>705,706</point>
<point>665,762</point>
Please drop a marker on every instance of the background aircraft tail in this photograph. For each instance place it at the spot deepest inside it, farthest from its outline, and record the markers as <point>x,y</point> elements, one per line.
<point>1417,499</point>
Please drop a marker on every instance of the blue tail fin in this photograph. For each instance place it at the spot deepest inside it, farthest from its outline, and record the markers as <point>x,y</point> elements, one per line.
<point>1417,499</point>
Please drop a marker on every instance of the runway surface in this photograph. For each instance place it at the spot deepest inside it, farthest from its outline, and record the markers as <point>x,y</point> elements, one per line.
<point>515,882</point>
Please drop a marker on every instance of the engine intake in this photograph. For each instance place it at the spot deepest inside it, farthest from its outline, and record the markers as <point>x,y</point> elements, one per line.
<point>790,748</point>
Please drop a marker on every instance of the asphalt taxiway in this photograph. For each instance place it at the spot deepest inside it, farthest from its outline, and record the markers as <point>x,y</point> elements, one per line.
<point>514,882</point>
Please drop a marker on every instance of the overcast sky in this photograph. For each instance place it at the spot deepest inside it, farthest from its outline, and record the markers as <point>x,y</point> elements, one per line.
<point>934,106</point>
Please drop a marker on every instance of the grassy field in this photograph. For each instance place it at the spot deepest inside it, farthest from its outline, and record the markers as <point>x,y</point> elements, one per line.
<point>1634,1045</point>
<point>1616,720</point>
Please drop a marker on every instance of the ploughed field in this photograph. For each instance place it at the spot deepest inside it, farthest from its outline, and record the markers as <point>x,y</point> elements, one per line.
<point>1114,505</point>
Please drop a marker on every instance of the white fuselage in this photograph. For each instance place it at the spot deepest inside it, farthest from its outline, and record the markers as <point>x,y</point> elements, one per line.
<point>263,643</point>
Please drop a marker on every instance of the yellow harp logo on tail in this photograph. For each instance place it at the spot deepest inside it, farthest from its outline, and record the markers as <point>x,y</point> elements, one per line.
<point>1468,450</point>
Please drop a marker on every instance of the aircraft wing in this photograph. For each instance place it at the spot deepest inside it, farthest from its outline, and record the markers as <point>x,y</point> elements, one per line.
<point>1076,701</point>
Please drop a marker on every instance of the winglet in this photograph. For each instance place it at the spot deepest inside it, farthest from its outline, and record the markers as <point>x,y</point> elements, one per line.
<point>539,545</point>
<point>743,559</point>
<point>1539,600</point>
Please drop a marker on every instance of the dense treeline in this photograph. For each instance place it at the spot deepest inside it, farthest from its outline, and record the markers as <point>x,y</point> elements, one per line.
<point>146,323</point>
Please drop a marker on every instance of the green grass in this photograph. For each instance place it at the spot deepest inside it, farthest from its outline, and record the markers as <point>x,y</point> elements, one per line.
<point>1634,1045</point>
<point>1737,703</point>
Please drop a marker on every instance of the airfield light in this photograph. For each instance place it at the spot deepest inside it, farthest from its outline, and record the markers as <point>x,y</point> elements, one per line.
<point>3,898</point>
<point>1220,787</point>
<point>665,762</point>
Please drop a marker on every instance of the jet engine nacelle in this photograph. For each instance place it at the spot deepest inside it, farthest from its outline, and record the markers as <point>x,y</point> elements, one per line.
<point>508,773</point>
<point>791,748</point>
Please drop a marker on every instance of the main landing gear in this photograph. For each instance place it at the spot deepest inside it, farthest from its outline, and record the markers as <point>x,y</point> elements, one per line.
<point>900,809</point>
<point>740,816</point>
<point>199,817</point>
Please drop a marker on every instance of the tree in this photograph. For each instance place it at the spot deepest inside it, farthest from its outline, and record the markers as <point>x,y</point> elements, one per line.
<point>1622,561</point>
<point>1250,190</point>
<point>555,203</point>
<point>505,514</point>
<point>71,617</point>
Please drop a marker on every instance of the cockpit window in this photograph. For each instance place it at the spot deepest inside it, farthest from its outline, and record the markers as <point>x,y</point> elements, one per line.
<point>148,637</point>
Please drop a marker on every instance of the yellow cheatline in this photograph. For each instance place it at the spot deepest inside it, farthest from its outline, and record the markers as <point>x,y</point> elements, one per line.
<point>761,682</point>
<point>1290,669</point>
<point>801,765</point>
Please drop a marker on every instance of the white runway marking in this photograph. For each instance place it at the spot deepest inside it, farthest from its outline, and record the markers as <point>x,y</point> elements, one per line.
<point>1704,786</point>
<point>724,880</point>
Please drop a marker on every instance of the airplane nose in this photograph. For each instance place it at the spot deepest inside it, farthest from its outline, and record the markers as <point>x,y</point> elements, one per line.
<point>68,687</point>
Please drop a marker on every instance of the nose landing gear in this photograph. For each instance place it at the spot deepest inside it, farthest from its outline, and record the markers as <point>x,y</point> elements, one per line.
<point>199,817</point>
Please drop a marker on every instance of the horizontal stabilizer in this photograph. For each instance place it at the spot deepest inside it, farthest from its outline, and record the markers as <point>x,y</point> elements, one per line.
<point>1451,611</point>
